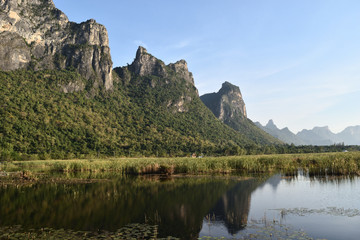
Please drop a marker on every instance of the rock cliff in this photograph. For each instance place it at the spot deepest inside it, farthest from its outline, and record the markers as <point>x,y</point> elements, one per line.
<point>226,104</point>
<point>35,34</point>
<point>146,64</point>
<point>173,80</point>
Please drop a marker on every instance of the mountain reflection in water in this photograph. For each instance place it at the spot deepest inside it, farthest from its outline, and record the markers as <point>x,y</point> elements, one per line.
<point>177,205</point>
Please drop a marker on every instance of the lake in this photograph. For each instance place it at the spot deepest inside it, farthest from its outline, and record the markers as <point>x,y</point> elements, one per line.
<point>185,207</point>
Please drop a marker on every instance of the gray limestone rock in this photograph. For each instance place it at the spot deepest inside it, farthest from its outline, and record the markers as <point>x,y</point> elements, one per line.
<point>14,51</point>
<point>53,41</point>
<point>156,74</point>
<point>226,104</point>
<point>146,64</point>
<point>180,67</point>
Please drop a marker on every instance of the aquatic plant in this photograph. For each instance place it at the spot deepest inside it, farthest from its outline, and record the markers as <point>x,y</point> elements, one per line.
<point>289,164</point>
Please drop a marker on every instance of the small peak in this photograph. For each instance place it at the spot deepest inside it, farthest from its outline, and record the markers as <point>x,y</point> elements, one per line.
<point>91,20</point>
<point>146,64</point>
<point>271,124</point>
<point>227,84</point>
<point>141,51</point>
<point>181,68</point>
<point>228,87</point>
<point>179,65</point>
<point>182,61</point>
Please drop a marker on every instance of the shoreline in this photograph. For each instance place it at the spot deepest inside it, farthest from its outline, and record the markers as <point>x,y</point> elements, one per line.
<point>319,163</point>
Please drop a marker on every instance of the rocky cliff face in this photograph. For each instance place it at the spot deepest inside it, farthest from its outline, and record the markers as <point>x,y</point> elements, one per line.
<point>227,103</point>
<point>146,64</point>
<point>229,106</point>
<point>35,34</point>
<point>174,78</point>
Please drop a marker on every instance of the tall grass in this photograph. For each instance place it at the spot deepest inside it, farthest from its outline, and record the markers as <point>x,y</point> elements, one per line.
<point>324,163</point>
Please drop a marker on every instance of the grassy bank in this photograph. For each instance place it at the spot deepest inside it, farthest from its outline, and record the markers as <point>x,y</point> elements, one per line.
<point>324,163</point>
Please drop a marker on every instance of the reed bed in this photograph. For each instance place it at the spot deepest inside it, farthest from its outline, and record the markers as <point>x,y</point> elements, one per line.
<point>322,163</point>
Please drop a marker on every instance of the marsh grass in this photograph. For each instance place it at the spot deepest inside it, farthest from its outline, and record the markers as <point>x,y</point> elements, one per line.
<point>314,164</point>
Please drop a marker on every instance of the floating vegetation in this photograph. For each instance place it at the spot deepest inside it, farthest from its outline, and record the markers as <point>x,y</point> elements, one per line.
<point>254,230</point>
<point>333,211</point>
<point>133,231</point>
<point>266,230</point>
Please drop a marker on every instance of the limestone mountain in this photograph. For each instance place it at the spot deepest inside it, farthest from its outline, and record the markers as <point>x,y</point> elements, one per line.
<point>153,110</point>
<point>152,84</point>
<point>228,106</point>
<point>284,134</point>
<point>350,135</point>
<point>34,34</point>
<point>173,83</point>
<point>49,66</point>
<point>319,136</point>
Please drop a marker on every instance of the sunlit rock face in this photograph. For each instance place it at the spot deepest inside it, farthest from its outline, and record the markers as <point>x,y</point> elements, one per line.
<point>227,104</point>
<point>35,34</point>
<point>173,80</point>
<point>146,64</point>
<point>180,67</point>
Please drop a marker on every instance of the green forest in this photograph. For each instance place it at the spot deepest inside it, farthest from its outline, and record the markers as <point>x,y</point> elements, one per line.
<point>38,121</point>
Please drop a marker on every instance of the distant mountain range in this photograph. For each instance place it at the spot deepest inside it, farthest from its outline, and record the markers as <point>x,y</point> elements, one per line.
<point>317,136</point>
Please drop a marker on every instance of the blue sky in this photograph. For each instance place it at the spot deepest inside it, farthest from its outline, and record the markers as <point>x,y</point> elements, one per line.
<point>296,62</point>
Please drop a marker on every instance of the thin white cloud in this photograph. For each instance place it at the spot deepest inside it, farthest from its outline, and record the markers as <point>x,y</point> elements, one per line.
<point>181,44</point>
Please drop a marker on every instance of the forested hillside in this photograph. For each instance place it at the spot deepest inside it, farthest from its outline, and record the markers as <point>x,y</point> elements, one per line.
<point>61,98</point>
<point>135,119</point>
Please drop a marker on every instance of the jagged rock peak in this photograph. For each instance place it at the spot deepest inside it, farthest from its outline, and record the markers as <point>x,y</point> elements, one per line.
<point>181,68</point>
<point>11,4</point>
<point>228,87</point>
<point>140,51</point>
<point>271,124</point>
<point>53,42</point>
<point>146,64</point>
<point>227,104</point>
<point>232,94</point>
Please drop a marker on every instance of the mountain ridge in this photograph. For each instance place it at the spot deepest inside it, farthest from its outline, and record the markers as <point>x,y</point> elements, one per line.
<point>316,136</point>
<point>228,106</point>
<point>61,98</point>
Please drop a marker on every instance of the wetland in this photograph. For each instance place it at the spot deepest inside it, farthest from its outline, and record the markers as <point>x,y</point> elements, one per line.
<point>86,205</point>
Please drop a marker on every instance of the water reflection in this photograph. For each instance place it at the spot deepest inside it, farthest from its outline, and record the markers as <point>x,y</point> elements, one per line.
<point>232,209</point>
<point>183,207</point>
<point>178,205</point>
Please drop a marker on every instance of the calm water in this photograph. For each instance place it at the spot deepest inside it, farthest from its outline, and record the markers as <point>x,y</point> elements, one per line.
<point>192,207</point>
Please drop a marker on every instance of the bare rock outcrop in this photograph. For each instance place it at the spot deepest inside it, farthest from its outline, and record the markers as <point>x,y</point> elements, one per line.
<point>51,41</point>
<point>227,104</point>
<point>180,67</point>
<point>174,77</point>
<point>14,52</point>
<point>146,64</point>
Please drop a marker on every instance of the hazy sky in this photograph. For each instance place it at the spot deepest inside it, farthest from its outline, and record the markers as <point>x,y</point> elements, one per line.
<point>296,62</point>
